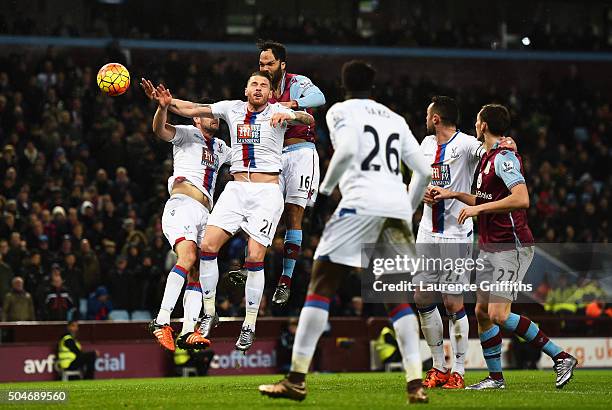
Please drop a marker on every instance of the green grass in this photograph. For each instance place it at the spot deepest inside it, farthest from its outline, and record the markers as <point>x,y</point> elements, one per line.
<point>525,389</point>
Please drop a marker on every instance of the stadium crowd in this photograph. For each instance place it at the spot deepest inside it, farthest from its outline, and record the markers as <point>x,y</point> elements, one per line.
<point>415,24</point>
<point>84,180</point>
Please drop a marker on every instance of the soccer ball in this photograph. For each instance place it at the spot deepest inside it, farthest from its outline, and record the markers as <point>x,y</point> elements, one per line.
<point>113,79</point>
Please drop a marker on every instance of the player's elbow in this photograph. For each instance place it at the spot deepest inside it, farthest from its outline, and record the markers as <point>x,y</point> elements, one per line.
<point>522,201</point>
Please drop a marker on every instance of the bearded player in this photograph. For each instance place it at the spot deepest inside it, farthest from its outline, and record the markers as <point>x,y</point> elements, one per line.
<point>197,157</point>
<point>453,156</point>
<point>370,141</point>
<point>253,201</point>
<point>299,179</point>
<point>506,246</point>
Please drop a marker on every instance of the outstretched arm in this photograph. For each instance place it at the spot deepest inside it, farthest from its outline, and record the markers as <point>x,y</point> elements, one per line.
<point>518,199</point>
<point>190,109</point>
<point>291,117</point>
<point>439,193</point>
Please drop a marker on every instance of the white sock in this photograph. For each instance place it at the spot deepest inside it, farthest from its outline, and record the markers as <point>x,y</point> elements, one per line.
<point>312,322</point>
<point>432,327</point>
<point>192,304</point>
<point>459,330</point>
<point>174,285</point>
<point>253,291</point>
<point>407,335</point>
<point>209,276</point>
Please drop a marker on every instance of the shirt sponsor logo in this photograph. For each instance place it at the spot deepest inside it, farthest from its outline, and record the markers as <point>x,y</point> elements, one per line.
<point>209,159</point>
<point>483,195</point>
<point>248,133</point>
<point>440,175</point>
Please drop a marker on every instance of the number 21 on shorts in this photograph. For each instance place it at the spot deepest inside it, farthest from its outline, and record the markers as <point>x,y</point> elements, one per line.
<point>267,227</point>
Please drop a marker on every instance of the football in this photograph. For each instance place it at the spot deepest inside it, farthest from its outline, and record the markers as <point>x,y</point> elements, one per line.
<point>113,79</point>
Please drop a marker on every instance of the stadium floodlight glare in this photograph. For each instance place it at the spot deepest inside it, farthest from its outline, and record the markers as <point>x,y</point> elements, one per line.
<point>526,41</point>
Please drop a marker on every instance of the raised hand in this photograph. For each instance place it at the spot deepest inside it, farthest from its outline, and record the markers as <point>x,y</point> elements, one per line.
<point>280,119</point>
<point>439,193</point>
<point>148,88</point>
<point>428,197</point>
<point>162,96</point>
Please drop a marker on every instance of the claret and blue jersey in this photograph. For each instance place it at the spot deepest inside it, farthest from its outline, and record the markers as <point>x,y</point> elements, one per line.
<point>500,170</point>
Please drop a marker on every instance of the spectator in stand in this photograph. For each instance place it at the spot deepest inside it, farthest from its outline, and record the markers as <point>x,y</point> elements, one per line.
<point>78,164</point>
<point>107,259</point>
<point>73,276</point>
<point>6,275</point>
<point>99,305</point>
<point>543,289</point>
<point>58,302</point>
<point>33,272</point>
<point>90,266</point>
<point>121,282</point>
<point>18,304</point>
<point>561,299</point>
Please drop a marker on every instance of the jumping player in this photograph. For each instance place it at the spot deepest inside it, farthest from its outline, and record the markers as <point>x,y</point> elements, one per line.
<point>507,247</point>
<point>252,202</point>
<point>370,141</point>
<point>197,156</point>
<point>299,179</point>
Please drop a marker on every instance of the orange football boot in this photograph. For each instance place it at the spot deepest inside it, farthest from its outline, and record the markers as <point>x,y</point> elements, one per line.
<point>193,340</point>
<point>455,381</point>
<point>163,334</point>
<point>435,378</point>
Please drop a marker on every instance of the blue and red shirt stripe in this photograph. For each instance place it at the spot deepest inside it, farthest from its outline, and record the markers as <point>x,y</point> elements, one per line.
<point>248,150</point>
<point>437,209</point>
<point>209,174</point>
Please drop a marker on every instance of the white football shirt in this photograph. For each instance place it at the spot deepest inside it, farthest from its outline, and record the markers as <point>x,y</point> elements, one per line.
<point>256,145</point>
<point>452,166</point>
<point>197,159</point>
<point>373,185</point>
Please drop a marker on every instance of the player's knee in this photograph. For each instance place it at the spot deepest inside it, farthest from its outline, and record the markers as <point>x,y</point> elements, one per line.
<point>498,316</point>
<point>255,254</point>
<point>422,299</point>
<point>482,314</point>
<point>453,303</point>
<point>208,245</point>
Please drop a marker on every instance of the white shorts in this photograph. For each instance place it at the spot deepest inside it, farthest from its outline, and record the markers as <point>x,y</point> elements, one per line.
<point>505,267</point>
<point>346,232</point>
<point>256,208</point>
<point>299,179</point>
<point>184,218</point>
<point>438,250</point>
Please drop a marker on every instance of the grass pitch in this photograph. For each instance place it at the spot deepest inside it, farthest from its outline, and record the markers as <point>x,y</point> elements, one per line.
<point>589,389</point>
